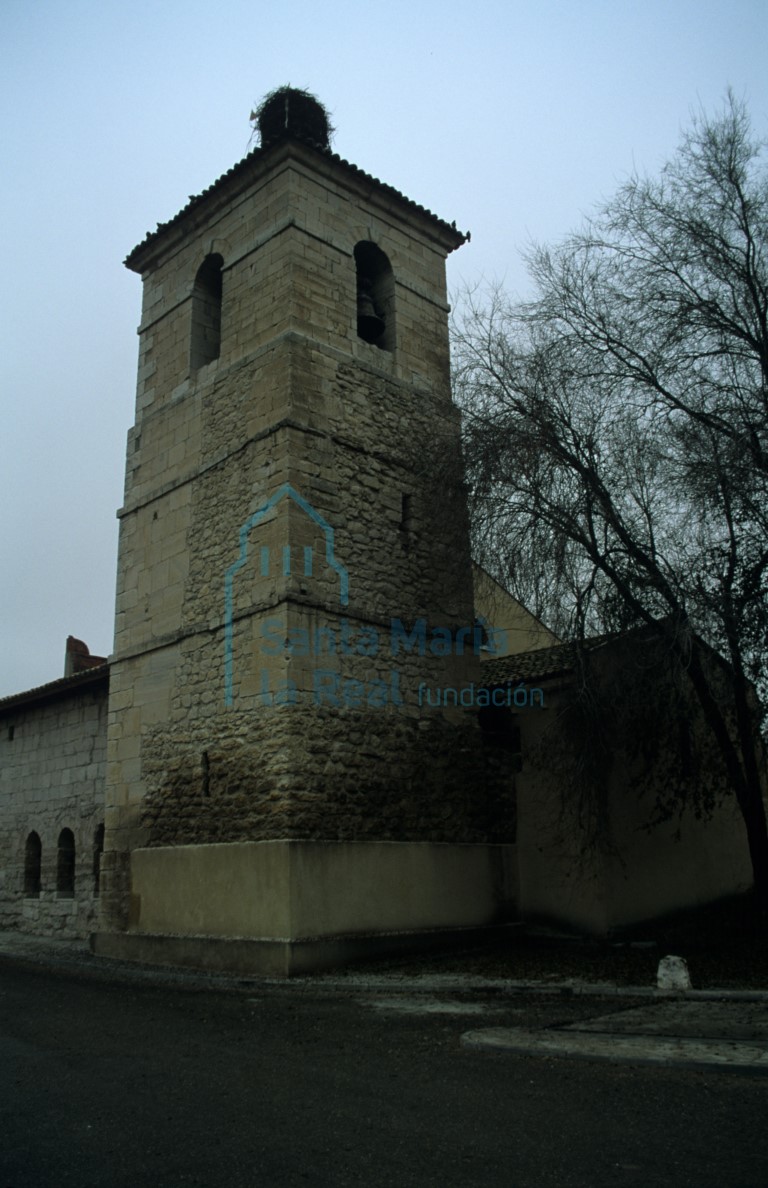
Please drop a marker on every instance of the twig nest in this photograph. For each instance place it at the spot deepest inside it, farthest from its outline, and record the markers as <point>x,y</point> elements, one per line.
<point>289,111</point>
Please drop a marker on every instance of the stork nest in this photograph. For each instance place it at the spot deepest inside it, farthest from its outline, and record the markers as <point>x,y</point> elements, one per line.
<point>290,111</point>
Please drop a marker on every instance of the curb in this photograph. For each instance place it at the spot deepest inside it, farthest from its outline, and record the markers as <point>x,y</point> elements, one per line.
<point>430,983</point>
<point>69,956</point>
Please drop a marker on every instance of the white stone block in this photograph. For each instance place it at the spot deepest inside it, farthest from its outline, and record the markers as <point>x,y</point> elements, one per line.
<point>673,974</point>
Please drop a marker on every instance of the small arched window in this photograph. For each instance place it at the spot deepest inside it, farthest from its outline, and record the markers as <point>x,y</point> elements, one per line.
<point>205,342</point>
<point>65,865</point>
<point>98,850</point>
<point>32,859</point>
<point>375,296</point>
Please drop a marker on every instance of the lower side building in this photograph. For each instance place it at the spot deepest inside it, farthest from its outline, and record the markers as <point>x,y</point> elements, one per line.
<point>589,839</point>
<point>53,744</point>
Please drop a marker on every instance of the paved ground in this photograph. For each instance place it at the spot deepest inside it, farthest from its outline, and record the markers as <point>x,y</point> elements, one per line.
<point>731,1035</point>
<point>120,1076</point>
<point>725,1030</point>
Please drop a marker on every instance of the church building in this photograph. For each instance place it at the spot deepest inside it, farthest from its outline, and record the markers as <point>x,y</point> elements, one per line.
<point>284,764</point>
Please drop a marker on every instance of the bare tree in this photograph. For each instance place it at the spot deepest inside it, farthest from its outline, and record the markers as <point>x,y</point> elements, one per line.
<point>617,430</point>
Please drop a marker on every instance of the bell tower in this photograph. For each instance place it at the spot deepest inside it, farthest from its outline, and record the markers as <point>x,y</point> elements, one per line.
<point>295,771</point>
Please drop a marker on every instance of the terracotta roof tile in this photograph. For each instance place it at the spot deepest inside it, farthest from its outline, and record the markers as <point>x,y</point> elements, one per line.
<point>246,162</point>
<point>540,663</point>
<point>89,676</point>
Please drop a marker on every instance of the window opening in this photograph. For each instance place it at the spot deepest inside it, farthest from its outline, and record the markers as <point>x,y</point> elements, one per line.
<point>205,343</point>
<point>406,522</point>
<point>375,296</point>
<point>65,865</point>
<point>32,860</point>
<point>500,729</point>
<point>98,850</point>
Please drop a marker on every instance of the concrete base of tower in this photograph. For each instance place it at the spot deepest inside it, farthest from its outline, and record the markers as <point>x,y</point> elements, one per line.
<point>285,959</point>
<point>290,907</point>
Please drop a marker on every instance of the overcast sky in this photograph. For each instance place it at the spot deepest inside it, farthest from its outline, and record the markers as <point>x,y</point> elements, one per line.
<point>512,118</point>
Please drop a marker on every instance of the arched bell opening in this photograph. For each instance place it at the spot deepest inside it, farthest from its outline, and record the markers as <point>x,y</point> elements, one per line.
<point>205,341</point>
<point>375,296</point>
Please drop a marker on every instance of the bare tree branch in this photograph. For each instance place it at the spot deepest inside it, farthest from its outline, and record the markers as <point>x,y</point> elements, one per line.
<point>616,430</point>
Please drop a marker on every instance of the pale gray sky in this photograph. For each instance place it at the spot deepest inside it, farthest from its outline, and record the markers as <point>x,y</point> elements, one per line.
<point>512,118</point>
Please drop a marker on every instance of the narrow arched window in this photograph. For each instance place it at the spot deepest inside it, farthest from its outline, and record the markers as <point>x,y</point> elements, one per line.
<point>375,296</point>
<point>65,865</point>
<point>205,342</point>
<point>32,858</point>
<point>98,850</point>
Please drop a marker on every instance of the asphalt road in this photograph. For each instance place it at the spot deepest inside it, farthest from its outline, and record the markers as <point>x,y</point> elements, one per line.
<point>110,1084</point>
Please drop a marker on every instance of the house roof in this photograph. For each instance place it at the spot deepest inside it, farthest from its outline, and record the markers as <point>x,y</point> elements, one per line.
<point>88,678</point>
<point>542,663</point>
<point>246,166</point>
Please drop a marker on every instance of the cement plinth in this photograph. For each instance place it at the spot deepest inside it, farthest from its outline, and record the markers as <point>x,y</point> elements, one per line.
<point>279,958</point>
<point>288,907</point>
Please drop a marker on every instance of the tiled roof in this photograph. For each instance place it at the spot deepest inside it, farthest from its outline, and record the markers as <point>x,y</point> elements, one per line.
<point>90,676</point>
<point>540,663</point>
<point>242,166</point>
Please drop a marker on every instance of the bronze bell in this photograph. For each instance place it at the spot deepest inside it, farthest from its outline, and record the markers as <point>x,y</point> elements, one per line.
<point>369,325</point>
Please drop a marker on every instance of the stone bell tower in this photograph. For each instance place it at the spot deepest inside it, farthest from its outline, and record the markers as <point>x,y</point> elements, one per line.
<point>294,580</point>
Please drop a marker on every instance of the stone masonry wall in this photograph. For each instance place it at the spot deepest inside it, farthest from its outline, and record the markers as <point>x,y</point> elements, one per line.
<point>323,774</point>
<point>295,402</point>
<point>52,770</point>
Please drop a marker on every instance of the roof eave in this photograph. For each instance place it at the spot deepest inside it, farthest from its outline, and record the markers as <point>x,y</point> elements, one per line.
<point>54,689</point>
<point>240,176</point>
